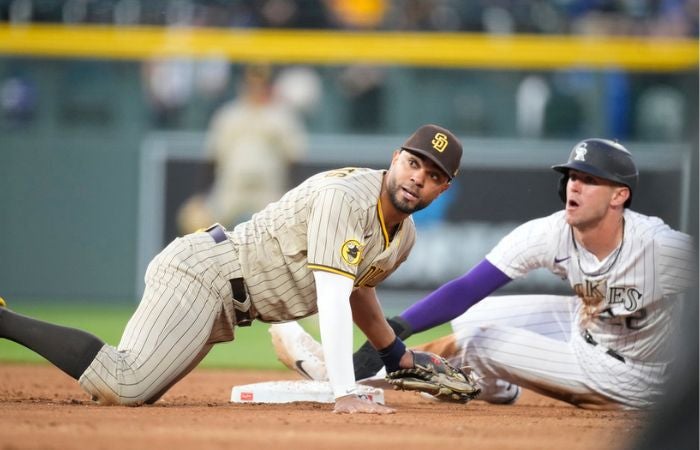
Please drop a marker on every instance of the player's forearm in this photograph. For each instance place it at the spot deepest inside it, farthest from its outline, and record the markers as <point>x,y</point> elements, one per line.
<point>455,297</point>
<point>368,316</point>
<point>335,325</point>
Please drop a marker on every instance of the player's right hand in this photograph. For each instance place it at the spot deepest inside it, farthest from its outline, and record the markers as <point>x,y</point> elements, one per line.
<point>351,404</point>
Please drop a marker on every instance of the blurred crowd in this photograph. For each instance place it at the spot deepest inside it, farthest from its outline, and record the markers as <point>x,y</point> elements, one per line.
<point>607,17</point>
<point>182,93</point>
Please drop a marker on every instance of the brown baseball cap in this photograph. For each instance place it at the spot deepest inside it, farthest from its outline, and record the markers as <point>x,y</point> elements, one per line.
<point>438,144</point>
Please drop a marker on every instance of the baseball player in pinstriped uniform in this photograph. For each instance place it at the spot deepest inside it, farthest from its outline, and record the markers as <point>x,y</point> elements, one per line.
<point>610,345</point>
<point>322,248</point>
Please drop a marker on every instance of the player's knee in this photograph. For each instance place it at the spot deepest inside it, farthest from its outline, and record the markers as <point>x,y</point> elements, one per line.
<point>109,397</point>
<point>480,341</point>
<point>475,337</point>
<point>105,392</point>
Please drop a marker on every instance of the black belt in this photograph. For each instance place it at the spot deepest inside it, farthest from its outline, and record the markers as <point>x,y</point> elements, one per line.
<point>588,338</point>
<point>217,232</point>
<point>243,318</point>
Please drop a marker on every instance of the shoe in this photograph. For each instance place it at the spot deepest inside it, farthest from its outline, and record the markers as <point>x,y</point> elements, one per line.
<point>516,394</point>
<point>297,350</point>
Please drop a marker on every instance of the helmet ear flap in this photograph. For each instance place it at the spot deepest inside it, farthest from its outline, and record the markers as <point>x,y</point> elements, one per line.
<point>562,187</point>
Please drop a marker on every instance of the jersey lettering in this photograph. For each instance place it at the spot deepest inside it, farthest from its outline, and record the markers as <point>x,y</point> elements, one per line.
<point>593,292</point>
<point>595,289</point>
<point>627,296</point>
<point>634,321</point>
<point>370,277</point>
<point>341,172</point>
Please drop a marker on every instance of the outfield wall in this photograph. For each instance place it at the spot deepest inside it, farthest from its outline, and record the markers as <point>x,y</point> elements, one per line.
<point>75,116</point>
<point>502,182</point>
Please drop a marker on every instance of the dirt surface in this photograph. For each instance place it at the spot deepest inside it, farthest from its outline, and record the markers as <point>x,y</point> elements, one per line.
<point>40,407</point>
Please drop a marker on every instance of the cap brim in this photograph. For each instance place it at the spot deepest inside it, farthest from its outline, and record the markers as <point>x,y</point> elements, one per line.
<point>431,157</point>
<point>582,167</point>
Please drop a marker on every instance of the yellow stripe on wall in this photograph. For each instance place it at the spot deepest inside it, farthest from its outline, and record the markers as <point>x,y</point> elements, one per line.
<point>446,50</point>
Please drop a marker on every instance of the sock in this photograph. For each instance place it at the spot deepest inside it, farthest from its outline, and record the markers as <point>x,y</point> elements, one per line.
<point>69,349</point>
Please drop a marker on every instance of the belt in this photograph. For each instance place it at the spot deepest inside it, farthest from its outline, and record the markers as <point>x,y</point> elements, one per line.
<point>217,232</point>
<point>588,338</point>
<point>242,306</point>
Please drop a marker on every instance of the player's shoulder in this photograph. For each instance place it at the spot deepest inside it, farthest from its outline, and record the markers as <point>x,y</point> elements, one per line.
<point>646,228</point>
<point>546,224</point>
<point>555,220</point>
<point>355,187</point>
<point>539,232</point>
<point>653,231</point>
<point>409,228</point>
<point>354,180</point>
<point>350,173</point>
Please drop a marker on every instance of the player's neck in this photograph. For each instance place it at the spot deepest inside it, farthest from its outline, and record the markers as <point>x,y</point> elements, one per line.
<point>392,226</point>
<point>602,238</point>
<point>391,216</point>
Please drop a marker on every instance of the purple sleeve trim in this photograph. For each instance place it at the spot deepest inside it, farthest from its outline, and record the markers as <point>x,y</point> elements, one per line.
<point>455,297</point>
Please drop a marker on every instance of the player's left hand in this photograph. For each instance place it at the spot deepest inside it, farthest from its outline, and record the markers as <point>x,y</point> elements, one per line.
<point>351,404</point>
<point>432,374</point>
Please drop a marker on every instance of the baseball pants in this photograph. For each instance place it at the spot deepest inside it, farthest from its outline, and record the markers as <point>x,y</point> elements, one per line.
<point>186,308</point>
<point>530,341</point>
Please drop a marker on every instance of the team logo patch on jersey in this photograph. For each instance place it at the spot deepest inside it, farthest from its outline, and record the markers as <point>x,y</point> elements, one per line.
<point>351,251</point>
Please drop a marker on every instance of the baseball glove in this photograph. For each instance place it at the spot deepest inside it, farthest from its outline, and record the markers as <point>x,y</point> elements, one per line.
<point>433,375</point>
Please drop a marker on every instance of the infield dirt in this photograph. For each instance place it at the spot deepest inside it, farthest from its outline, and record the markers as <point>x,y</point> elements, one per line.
<point>42,408</point>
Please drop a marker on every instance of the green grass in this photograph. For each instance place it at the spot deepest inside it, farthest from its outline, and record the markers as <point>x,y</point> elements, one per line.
<point>251,349</point>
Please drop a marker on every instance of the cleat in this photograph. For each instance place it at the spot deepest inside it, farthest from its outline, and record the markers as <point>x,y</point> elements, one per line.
<point>516,395</point>
<point>470,374</point>
<point>297,350</point>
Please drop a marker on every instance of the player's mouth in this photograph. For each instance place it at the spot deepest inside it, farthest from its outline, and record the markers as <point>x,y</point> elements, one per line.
<point>571,205</point>
<point>409,195</point>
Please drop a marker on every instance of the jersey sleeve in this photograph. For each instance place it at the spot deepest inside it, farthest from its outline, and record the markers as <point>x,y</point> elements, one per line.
<point>529,246</point>
<point>335,233</point>
<point>676,261</point>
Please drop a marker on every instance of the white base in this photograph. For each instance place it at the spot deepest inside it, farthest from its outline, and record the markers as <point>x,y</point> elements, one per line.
<point>295,391</point>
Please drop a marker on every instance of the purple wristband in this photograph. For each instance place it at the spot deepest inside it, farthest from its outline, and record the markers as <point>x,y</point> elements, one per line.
<point>455,297</point>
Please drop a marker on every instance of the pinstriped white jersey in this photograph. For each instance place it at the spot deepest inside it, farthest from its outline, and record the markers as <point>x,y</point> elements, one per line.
<point>628,300</point>
<point>330,222</point>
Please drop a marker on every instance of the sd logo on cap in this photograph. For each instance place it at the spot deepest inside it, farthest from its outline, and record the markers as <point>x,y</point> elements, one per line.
<point>438,144</point>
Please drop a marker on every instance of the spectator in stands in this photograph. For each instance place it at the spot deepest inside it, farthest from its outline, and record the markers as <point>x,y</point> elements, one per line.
<point>252,140</point>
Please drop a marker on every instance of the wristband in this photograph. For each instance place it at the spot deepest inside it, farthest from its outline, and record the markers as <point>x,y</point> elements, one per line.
<point>391,355</point>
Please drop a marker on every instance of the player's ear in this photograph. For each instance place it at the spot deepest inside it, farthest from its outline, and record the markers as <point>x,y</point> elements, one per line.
<point>620,195</point>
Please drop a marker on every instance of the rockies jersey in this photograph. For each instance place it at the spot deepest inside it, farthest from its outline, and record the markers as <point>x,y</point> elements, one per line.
<point>627,300</point>
<point>330,222</point>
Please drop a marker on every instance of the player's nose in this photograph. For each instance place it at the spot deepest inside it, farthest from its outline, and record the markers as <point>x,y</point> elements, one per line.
<point>574,184</point>
<point>419,176</point>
